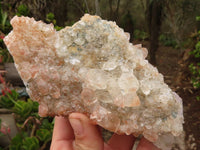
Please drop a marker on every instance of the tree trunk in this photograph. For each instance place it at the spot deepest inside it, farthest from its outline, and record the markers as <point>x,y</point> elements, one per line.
<point>154,14</point>
<point>97,7</point>
<point>114,13</point>
<point>111,10</point>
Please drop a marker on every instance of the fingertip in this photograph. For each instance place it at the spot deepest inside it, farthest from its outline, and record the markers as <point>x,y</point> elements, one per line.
<point>77,126</point>
<point>62,129</point>
<point>78,122</point>
<point>80,116</point>
<point>60,119</point>
<point>87,136</point>
<point>62,134</point>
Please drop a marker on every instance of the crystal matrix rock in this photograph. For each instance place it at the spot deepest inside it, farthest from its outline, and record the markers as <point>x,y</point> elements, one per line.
<point>92,68</point>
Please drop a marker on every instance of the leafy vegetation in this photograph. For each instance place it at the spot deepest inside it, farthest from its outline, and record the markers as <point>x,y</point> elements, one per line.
<point>22,10</point>
<point>5,27</point>
<point>140,35</point>
<point>195,68</point>
<point>195,65</point>
<point>34,132</point>
<point>4,54</point>
<point>50,18</point>
<point>168,40</point>
<point>4,22</point>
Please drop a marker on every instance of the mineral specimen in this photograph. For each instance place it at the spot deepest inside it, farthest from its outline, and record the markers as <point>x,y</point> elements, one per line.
<point>92,68</point>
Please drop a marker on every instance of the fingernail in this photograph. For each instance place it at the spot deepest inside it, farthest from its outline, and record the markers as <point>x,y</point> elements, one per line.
<point>77,126</point>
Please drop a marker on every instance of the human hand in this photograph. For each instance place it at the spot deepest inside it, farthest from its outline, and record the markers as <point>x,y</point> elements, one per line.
<point>78,133</point>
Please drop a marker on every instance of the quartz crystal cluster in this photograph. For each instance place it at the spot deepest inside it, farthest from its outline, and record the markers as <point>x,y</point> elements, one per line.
<point>92,68</point>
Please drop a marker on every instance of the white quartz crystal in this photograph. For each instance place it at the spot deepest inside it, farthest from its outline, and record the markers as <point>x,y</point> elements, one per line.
<point>91,67</point>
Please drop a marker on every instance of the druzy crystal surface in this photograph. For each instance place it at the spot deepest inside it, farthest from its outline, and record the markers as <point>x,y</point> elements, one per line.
<point>92,68</point>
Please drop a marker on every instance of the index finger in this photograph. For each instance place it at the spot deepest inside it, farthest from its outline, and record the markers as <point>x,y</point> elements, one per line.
<point>62,134</point>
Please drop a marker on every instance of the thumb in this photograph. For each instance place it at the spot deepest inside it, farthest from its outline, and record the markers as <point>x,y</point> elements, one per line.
<point>87,135</point>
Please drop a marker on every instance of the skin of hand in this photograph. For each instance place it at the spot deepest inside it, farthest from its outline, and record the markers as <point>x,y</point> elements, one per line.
<point>78,133</point>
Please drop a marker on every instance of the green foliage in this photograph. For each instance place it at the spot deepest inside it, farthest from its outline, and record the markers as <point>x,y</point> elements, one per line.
<point>58,28</point>
<point>30,143</point>
<point>23,142</point>
<point>22,10</point>
<point>34,131</point>
<point>198,98</point>
<point>50,18</point>
<point>196,51</point>
<point>5,55</point>
<point>44,135</point>
<point>46,124</point>
<point>195,66</point>
<point>195,70</point>
<point>167,40</point>
<point>9,100</point>
<point>197,18</point>
<point>23,108</point>
<point>5,27</point>
<point>140,35</point>
<point>4,22</point>
<point>5,102</point>
<point>17,141</point>
<point>3,18</point>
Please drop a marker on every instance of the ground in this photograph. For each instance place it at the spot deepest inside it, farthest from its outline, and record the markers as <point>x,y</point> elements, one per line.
<point>167,64</point>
